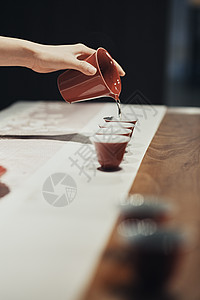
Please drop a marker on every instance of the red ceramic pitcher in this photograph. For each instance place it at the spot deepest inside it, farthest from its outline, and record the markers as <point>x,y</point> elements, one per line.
<point>75,86</point>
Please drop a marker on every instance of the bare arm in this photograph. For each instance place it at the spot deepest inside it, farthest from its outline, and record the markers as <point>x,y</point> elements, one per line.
<point>16,52</point>
<point>45,58</point>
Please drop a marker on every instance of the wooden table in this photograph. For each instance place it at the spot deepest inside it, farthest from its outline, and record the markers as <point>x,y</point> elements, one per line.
<point>170,168</point>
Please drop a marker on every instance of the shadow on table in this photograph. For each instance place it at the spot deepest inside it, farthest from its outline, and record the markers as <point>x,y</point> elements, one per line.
<point>70,137</point>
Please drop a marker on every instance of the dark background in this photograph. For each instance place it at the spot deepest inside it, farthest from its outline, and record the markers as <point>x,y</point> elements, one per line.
<point>138,34</point>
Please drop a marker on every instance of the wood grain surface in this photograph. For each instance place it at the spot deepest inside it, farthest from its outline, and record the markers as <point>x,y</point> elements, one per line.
<point>170,170</point>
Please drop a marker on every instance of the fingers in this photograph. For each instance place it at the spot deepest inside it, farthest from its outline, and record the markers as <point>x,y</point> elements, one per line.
<point>88,69</point>
<point>82,52</point>
<point>84,67</point>
<point>81,49</point>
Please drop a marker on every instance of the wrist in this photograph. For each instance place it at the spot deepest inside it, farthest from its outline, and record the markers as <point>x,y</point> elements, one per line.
<point>17,52</point>
<point>30,52</point>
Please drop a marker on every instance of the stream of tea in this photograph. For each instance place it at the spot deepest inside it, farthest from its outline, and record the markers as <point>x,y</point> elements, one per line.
<point>119,108</point>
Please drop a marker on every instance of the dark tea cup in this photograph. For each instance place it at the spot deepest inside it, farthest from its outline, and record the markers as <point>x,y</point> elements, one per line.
<point>114,131</point>
<point>142,207</point>
<point>126,125</point>
<point>113,125</point>
<point>155,253</point>
<point>110,150</point>
<point>122,120</point>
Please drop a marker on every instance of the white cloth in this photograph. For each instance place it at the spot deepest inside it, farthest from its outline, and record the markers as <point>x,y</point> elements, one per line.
<point>50,252</point>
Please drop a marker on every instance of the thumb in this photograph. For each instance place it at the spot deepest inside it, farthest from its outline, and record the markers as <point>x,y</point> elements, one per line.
<point>85,67</point>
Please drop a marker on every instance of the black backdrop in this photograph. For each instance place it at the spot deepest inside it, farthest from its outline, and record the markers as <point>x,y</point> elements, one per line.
<point>134,32</point>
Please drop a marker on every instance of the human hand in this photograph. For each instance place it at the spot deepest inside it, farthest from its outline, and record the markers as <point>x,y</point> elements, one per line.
<point>52,58</point>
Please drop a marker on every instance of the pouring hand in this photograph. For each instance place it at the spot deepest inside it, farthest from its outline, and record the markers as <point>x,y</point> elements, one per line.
<point>46,58</point>
<point>53,58</point>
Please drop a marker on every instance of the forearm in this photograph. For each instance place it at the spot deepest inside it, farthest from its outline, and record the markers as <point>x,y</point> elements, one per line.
<point>17,52</point>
